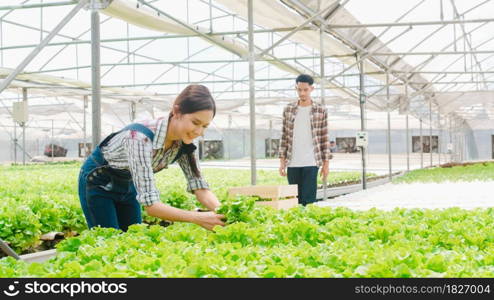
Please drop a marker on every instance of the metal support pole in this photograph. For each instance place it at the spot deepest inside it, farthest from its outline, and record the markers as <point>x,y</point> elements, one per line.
<point>133,108</point>
<point>460,140</point>
<point>450,139</point>
<point>188,43</point>
<point>269,139</point>
<point>1,42</point>
<point>323,84</point>
<point>457,141</point>
<point>85,125</point>
<point>321,59</point>
<point>230,131</point>
<point>390,166</point>
<point>244,151</point>
<point>439,137</point>
<point>52,139</point>
<point>41,23</point>
<point>23,124</point>
<point>407,132</point>
<point>421,146</point>
<point>252,106</point>
<point>453,139</point>
<point>462,157</point>
<point>210,17</point>
<point>460,153</point>
<point>464,144</point>
<point>15,142</point>
<point>454,133</point>
<point>128,48</point>
<point>6,82</point>
<point>96,80</point>
<point>430,129</point>
<point>362,117</point>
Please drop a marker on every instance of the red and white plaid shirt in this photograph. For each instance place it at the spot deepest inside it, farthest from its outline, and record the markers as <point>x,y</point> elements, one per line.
<point>319,126</point>
<point>134,151</point>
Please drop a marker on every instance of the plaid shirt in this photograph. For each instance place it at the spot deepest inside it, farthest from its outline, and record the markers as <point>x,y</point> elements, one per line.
<point>319,126</point>
<point>133,151</point>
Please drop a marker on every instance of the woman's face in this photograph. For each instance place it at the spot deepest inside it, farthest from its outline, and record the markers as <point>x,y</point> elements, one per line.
<point>190,126</point>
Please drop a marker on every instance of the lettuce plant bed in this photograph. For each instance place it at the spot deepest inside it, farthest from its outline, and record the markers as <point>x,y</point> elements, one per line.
<point>463,164</point>
<point>482,171</point>
<point>306,241</point>
<point>42,198</point>
<point>349,182</point>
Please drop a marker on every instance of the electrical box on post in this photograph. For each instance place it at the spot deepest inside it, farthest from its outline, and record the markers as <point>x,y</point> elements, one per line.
<point>362,139</point>
<point>20,112</point>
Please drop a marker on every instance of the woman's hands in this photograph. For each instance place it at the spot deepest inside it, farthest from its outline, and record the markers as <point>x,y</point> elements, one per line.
<point>207,198</point>
<point>208,219</point>
<point>165,212</point>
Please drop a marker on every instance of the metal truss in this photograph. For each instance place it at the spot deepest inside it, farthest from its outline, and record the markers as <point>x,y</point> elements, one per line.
<point>473,55</point>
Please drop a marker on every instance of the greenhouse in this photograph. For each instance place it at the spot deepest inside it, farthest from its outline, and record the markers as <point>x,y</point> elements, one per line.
<point>389,175</point>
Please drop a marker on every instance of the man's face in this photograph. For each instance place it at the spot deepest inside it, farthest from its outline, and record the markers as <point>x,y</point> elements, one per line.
<point>304,90</point>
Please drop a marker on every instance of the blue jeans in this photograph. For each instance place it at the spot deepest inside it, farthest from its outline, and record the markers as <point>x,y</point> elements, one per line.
<point>107,195</point>
<point>306,179</point>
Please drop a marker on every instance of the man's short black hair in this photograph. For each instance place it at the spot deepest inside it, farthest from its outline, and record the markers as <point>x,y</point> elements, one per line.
<point>305,78</point>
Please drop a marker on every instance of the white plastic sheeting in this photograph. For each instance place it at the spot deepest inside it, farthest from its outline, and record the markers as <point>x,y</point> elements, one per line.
<point>474,105</point>
<point>339,41</point>
<point>277,14</point>
<point>135,13</point>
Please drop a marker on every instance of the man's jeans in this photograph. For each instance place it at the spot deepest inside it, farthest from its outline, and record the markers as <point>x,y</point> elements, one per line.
<point>306,179</point>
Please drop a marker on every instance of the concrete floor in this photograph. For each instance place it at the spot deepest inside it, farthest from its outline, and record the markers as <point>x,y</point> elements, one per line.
<point>466,195</point>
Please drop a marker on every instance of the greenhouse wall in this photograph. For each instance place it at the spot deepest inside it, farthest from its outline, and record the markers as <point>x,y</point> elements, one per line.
<point>483,141</point>
<point>236,142</point>
<point>478,144</point>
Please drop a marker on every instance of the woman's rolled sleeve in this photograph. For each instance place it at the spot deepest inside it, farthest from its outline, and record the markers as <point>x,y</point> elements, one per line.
<point>140,165</point>
<point>193,182</point>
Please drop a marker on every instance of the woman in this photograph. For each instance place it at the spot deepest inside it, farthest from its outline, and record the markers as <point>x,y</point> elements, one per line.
<point>118,176</point>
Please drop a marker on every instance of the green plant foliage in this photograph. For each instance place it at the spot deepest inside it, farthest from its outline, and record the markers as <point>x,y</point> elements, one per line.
<point>237,209</point>
<point>19,226</point>
<point>306,241</point>
<point>47,196</point>
<point>479,171</point>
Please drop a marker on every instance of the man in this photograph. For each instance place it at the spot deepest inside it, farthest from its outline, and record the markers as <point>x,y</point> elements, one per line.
<point>304,146</point>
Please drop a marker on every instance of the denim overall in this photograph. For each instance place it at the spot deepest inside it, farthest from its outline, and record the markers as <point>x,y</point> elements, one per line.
<point>108,195</point>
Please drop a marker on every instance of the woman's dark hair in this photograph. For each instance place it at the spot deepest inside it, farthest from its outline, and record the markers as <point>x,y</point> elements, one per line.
<point>194,98</point>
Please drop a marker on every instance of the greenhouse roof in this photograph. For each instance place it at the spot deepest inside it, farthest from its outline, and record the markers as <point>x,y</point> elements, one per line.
<point>415,56</point>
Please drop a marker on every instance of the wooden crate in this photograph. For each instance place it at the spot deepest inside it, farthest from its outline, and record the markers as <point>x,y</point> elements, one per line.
<point>282,196</point>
